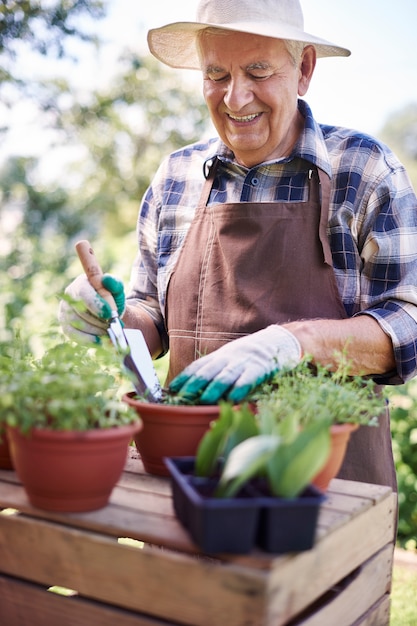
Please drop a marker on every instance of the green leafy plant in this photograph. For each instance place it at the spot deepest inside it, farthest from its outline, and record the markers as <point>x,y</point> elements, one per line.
<point>311,393</point>
<point>404,432</point>
<point>242,447</point>
<point>69,387</point>
<point>231,428</point>
<point>283,436</point>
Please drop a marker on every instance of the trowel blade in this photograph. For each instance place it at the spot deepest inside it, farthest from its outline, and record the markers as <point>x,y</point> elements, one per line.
<point>139,361</point>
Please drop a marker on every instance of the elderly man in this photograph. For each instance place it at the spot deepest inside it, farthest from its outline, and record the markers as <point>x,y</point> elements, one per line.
<point>280,237</point>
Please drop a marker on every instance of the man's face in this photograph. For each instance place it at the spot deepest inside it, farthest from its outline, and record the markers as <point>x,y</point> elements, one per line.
<point>251,85</point>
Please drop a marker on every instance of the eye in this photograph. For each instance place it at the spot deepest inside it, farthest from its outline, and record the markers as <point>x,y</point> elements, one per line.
<point>259,71</point>
<point>217,77</point>
<point>260,75</point>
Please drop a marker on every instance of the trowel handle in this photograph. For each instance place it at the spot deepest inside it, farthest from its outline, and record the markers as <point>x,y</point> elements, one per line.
<point>93,271</point>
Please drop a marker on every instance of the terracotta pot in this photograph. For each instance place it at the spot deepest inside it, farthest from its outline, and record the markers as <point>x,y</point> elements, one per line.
<point>169,431</point>
<point>70,471</point>
<point>339,435</point>
<point>5,456</point>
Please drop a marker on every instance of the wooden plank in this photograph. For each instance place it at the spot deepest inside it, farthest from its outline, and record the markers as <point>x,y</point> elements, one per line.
<point>26,604</point>
<point>143,484</point>
<point>72,558</point>
<point>144,525</point>
<point>52,554</point>
<point>360,490</point>
<point>134,463</point>
<point>377,615</point>
<point>58,552</point>
<point>338,510</point>
<point>128,496</point>
<point>134,472</point>
<point>347,601</point>
<point>114,520</point>
<point>139,509</point>
<point>313,572</point>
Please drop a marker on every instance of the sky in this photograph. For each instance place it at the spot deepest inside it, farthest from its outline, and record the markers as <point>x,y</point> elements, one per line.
<point>361,91</point>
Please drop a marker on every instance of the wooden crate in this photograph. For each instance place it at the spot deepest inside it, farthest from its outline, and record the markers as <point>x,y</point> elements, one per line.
<point>345,579</point>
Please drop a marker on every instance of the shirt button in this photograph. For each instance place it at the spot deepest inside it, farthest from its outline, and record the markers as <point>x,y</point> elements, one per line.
<point>255,181</point>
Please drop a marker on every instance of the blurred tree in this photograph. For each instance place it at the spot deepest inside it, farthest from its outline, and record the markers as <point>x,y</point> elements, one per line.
<point>30,31</point>
<point>36,224</point>
<point>126,130</point>
<point>112,143</point>
<point>400,133</point>
<point>404,432</point>
<point>44,26</point>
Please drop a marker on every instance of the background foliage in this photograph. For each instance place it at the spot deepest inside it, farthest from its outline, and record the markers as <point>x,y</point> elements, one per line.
<point>114,139</point>
<point>404,435</point>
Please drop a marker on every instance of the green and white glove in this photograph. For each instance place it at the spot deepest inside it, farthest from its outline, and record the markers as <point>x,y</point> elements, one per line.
<point>86,315</point>
<point>236,368</point>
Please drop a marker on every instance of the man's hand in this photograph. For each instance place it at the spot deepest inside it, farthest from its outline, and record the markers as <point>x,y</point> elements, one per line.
<point>85,316</point>
<point>236,368</point>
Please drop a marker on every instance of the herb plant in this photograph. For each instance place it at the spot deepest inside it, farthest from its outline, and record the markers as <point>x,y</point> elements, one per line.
<point>285,440</point>
<point>70,387</point>
<point>313,393</point>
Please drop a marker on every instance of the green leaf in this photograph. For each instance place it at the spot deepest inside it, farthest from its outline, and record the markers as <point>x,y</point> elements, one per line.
<point>246,460</point>
<point>212,444</point>
<point>294,465</point>
<point>243,426</point>
<point>233,426</point>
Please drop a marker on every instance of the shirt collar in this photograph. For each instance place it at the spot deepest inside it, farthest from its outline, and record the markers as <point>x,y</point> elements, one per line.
<point>310,146</point>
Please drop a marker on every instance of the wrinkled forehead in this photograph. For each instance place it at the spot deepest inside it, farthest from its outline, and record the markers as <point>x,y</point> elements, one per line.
<point>216,45</point>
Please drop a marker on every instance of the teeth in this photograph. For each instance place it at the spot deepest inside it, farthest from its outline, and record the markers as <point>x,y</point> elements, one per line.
<point>243,118</point>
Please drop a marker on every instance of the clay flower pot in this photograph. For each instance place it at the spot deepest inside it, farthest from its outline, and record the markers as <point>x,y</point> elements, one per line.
<point>70,471</point>
<point>169,430</point>
<point>339,436</point>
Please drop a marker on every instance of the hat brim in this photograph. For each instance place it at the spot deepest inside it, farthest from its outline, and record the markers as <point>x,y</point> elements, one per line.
<point>175,44</point>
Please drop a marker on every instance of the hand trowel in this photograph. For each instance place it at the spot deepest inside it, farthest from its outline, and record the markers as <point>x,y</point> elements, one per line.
<point>129,343</point>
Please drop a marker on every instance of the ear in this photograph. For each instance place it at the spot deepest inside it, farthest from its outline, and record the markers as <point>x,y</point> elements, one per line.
<point>307,65</point>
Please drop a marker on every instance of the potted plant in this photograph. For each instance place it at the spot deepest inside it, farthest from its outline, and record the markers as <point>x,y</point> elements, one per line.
<point>68,431</point>
<point>248,485</point>
<point>171,428</point>
<point>313,393</point>
<point>271,450</point>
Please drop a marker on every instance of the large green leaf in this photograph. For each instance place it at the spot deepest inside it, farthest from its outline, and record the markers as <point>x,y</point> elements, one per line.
<point>211,445</point>
<point>246,460</point>
<point>243,426</point>
<point>294,465</point>
<point>233,426</point>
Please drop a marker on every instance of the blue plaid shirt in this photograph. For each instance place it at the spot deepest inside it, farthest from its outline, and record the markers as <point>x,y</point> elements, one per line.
<point>372,223</point>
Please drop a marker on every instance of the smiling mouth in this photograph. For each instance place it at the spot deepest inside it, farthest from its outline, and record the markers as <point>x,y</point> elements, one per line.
<point>243,118</point>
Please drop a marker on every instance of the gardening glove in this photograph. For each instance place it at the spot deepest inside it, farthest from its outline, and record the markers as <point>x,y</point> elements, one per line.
<point>85,315</point>
<point>236,368</point>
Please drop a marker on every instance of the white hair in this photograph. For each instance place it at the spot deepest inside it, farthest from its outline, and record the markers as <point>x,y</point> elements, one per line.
<point>294,49</point>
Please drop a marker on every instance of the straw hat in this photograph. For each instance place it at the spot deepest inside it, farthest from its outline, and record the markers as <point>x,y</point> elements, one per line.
<point>175,44</point>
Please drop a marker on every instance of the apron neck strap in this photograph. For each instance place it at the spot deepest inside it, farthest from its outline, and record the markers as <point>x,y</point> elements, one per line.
<point>319,191</point>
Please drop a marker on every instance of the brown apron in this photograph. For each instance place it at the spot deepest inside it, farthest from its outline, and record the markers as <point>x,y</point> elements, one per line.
<point>246,265</point>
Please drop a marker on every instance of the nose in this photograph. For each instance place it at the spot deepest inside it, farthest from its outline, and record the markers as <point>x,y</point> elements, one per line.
<point>238,93</point>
